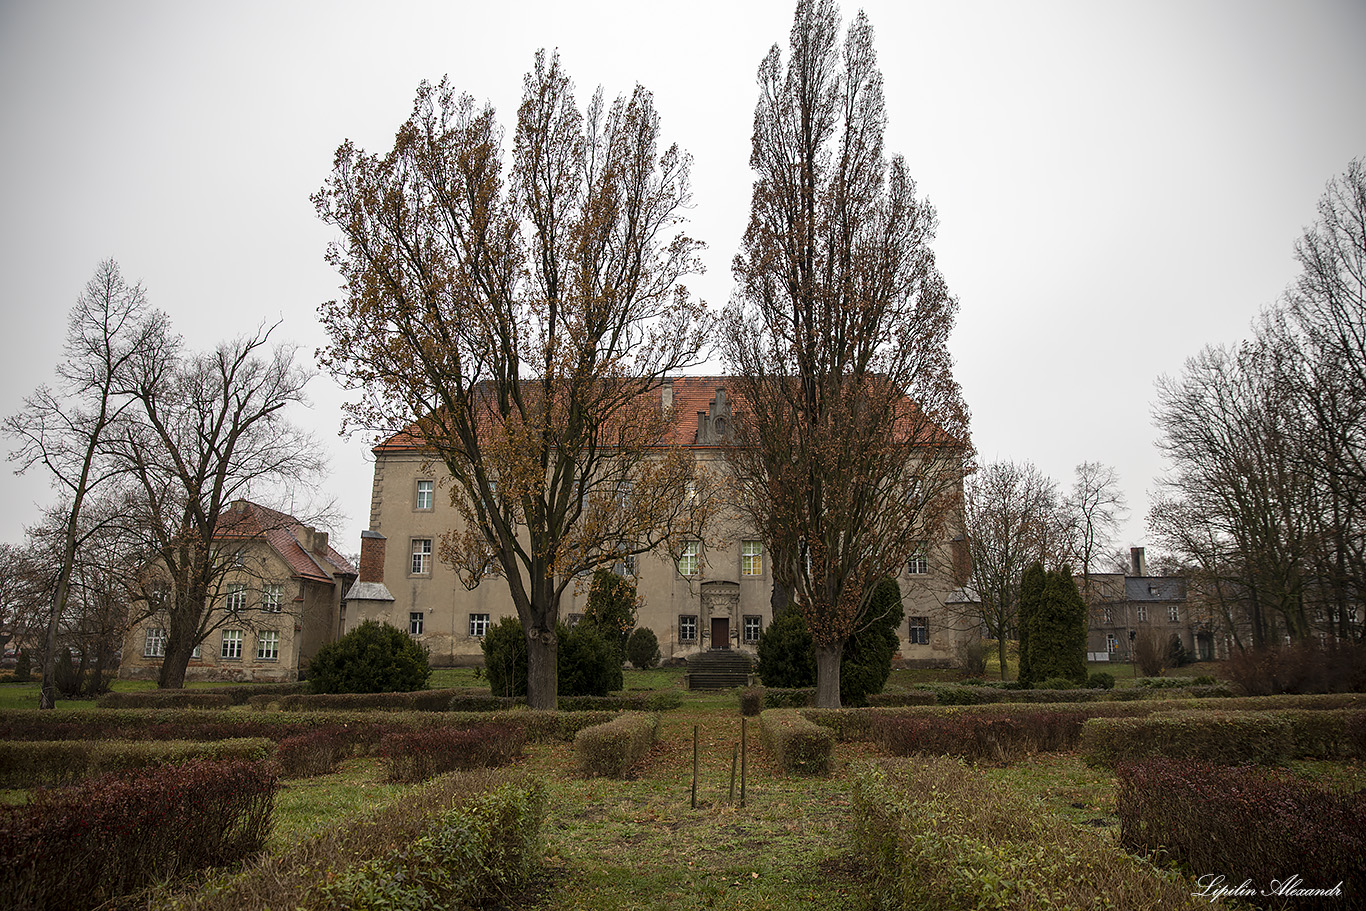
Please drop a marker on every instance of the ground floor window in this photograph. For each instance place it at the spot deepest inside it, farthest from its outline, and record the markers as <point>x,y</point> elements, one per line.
<point>920,631</point>
<point>753,627</point>
<point>1111,643</point>
<point>479,625</point>
<point>154,646</point>
<point>687,628</point>
<point>415,623</point>
<point>268,645</point>
<point>232,643</point>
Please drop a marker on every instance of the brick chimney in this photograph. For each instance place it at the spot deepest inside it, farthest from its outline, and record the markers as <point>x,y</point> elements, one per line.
<point>1138,564</point>
<point>371,556</point>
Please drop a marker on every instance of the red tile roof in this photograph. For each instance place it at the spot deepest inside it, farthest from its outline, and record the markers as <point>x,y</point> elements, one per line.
<point>295,542</point>
<point>691,395</point>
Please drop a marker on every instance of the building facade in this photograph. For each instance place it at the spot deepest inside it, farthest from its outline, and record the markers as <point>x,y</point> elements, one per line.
<point>279,602</point>
<point>713,595</point>
<point>1126,606</point>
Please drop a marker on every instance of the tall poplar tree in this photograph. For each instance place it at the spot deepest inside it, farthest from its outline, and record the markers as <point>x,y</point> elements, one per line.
<point>851,435</point>
<point>516,321</point>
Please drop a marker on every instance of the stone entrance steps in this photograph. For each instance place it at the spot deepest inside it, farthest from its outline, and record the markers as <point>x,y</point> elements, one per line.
<point>718,669</point>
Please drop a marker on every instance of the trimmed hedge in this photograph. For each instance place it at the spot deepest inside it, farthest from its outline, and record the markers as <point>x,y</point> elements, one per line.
<point>473,856</point>
<point>81,847</point>
<point>937,833</point>
<point>412,701</point>
<point>757,698</point>
<point>611,749</point>
<point>365,729</point>
<point>165,699</point>
<point>237,694</point>
<point>1228,738</point>
<point>314,753</point>
<point>898,700</point>
<point>363,855</point>
<point>1246,824</point>
<point>623,702</point>
<point>419,755</point>
<point>796,744</point>
<point>47,763</point>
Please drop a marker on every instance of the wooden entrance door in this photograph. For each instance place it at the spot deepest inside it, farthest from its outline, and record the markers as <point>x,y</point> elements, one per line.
<point>720,632</point>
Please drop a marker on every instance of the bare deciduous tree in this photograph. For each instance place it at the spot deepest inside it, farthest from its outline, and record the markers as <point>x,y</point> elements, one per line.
<point>517,323</point>
<point>208,428</point>
<point>852,435</point>
<point>64,429</point>
<point>1093,511</point>
<point>1012,515</point>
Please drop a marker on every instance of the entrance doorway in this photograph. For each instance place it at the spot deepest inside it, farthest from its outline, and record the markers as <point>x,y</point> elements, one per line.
<point>720,632</point>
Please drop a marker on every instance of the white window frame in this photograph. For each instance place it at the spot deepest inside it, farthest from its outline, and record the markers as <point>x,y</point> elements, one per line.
<point>231,647</point>
<point>919,562</point>
<point>1142,613</point>
<point>751,558</point>
<point>236,600</point>
<point>417,621</point>
<point>154,643</point>
<point>753,627</point>
<point>424,499</point>
<point>1174,613</point>
<point>690,559</point>
<point>272,597</point>
<point>1109,615</point>
<point>268,645</point>
<point>1111,643</point>
<point>687,622</point>
<point>918,633</point>
<point>421,564</point>
<point>479,626</point>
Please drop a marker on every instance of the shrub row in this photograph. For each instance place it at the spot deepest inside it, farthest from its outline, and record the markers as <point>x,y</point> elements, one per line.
<point>939,834</point>
<point>979,731</point>
<point>364,728</point>
<point>661,701</point>
<point>313,753</point>
<point>1262,826</point>
<point>461,700</point>
<point>48,763</point>
<point>237,694</point>
<point>958,694</point>
<point>413,701</point>
<point>757,698</point>
<point>419,755</point>
<point>474,856</point>
<point>82,846</point>
<point>901,699</point>
<point>299,872</point>
<point>1229,738</point>
<point>795,743</point>
<point>611,749</point>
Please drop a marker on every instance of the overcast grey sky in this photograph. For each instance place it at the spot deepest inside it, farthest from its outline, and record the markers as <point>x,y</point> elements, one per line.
<point>1118,183</point>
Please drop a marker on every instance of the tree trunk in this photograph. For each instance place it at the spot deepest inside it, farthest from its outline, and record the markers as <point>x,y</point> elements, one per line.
<point>172,676</point>
<point>542,682</point>
<point>828,676</point>
<point>1001,651</point>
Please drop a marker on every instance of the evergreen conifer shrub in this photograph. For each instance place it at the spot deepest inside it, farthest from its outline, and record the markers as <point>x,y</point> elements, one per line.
<point>372,658</point>
<point>505,660</point>
<point>867,660</point>
<point>589,664</point>
<point>612,605</point>
<point>787,659</point>
<point>642,649</point>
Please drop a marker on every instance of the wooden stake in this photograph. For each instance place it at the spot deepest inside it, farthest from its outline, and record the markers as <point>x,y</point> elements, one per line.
<point>744,756</point>
<point>734,754</point>
<point>694,767</point>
